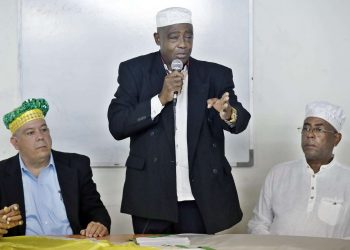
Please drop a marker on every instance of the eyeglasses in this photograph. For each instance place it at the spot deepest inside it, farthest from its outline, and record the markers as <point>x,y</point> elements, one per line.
<point>316,131</point>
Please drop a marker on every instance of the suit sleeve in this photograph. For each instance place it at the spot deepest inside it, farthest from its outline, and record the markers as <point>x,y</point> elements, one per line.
<point>91,207</point>
<point>225,83</point>
<point>127,113</point>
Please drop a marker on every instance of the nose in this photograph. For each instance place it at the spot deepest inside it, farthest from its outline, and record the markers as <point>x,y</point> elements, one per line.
<point>182,42</point>
<point>40,135</point>
<point>310,133</point>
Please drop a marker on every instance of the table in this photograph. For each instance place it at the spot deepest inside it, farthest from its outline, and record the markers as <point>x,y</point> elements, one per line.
<point>217,242</point>
<point>256,242</point>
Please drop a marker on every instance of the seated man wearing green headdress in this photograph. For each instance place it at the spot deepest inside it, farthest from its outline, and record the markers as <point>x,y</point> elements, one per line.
<point>43,191</point>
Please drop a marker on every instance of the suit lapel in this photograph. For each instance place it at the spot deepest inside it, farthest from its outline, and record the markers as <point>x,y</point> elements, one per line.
<point>156,74</point>
<point>198,87</point>
<point>68,183</point>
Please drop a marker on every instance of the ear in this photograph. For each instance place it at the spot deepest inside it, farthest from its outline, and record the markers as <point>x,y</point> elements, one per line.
<point>14,142</point>
<point>156,38</point>
<point>337,138</point>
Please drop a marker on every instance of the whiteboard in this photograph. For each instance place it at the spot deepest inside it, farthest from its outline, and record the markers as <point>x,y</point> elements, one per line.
<point>70,51</point>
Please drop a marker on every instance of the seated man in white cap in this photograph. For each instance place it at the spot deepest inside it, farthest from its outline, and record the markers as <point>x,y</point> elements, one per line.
<point>175,109</point>
<point>43,191</point>
<point>311,196</point>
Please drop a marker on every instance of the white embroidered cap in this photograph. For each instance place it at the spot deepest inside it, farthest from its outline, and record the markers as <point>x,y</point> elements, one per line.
<point>331,113</point>
<point>173,15</point>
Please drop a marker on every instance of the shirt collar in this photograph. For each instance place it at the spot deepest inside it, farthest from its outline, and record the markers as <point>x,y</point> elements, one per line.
<point>323,167</point>
<point>26,170</point>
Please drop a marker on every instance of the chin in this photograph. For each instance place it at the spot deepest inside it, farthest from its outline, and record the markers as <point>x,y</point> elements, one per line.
<point>312,157</point>
<point>44,153</point>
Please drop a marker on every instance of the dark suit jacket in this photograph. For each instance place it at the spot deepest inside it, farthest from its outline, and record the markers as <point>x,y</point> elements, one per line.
<point>80,197</point>
<point>150,184</point>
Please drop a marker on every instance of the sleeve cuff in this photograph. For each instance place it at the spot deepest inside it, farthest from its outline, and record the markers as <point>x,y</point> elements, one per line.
<point>156,106</point>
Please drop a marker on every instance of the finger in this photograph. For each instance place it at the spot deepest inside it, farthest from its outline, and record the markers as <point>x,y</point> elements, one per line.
<point>4,218</point>
<point>4,211</point>
<point>176,74</point>
<point>83,232</point>
<point>10,211</point>
<point>12,224</point>
<point>175,77</point>
<point>104,231</point>
<point>14,218</point>
<point>90,229</point>
<point>175,85</point>
<point>3,231</point>
<point>99,230</point>
<point>218,106</point>
<point>225,95</point>
<point>13,213</point>
<point>14,207</point>
<point>211,102</point>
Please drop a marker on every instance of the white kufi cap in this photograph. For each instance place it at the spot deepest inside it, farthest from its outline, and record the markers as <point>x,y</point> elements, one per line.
<point>173,15</point>
<point>331,113</point>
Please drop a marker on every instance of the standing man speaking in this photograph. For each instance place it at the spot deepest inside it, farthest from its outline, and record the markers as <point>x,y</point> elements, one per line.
<point>175,109</point>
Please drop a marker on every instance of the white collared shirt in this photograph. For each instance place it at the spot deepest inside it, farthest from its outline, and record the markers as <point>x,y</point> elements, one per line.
<point>296,201</point>
<point>183,186</point>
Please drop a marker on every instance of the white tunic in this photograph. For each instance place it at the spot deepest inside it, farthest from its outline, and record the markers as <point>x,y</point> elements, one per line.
<point>296,201</point>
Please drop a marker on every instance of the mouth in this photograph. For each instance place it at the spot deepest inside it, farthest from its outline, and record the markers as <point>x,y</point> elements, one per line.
<point>310,146</point>
<point>182,56</point>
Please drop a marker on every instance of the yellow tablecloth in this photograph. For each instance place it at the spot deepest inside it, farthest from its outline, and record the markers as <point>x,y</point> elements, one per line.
<point>55,243</point>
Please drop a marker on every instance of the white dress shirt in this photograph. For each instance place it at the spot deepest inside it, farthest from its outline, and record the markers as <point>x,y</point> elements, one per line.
<point>296,201</point>
<point>183,186</point>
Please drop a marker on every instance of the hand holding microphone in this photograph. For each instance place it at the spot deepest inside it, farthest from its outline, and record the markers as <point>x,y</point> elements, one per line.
<point>172,83</point>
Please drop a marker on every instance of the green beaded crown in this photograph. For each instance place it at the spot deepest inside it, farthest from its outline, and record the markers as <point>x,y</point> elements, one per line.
<point>30,109</point>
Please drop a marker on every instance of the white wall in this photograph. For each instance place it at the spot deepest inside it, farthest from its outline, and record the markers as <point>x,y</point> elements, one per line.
<point>9,78</point>
<point>301,51</point>
<point>301,54</point>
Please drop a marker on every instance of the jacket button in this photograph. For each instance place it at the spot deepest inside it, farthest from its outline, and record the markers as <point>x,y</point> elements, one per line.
<point>152,133</point>
<point>141,118</point>
<point>214,145</point>
<point>215,171</point>
<point>192,180</point>
<point>155,159</point>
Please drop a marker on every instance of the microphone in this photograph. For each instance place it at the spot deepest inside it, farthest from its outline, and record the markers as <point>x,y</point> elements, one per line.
<point>176,65</point>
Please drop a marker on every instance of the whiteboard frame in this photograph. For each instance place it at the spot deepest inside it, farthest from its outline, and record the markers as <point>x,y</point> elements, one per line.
<point>249,163</point>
